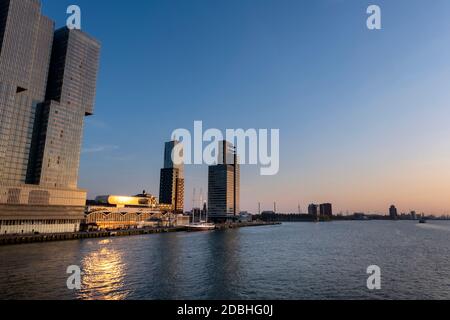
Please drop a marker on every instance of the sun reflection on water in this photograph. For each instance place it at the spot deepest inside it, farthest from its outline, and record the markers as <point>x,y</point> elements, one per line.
<point>103,275</point>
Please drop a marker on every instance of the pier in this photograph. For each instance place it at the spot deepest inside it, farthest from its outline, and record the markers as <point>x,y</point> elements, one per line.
<point>41,238</point>
<point>36,238</point>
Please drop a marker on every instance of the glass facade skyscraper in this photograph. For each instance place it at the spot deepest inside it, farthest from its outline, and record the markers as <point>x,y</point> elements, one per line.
<point>173,156</point>
<point>224,184</point>
<point>171,187</point>
<point>326,210</point>
<point>393,213</point>
<point>47,87</point>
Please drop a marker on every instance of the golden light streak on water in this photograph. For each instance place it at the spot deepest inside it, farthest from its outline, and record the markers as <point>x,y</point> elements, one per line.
<point>103,275</point>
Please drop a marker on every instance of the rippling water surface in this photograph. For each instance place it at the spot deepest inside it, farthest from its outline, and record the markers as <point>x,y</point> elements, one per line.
<point>291,261</point>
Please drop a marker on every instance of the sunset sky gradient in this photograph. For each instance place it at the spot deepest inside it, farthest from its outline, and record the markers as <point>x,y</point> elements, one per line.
<point>364,116</point>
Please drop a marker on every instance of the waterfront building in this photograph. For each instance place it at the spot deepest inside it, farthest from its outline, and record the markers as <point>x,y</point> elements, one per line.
<point>393,214</point>
<point>144,200</point>
<point>313,210</point>
<point>171,190</point>
<point>245,217</point>
<point>112,212</point>
<point>326,210</point>
<point>173,156</point>
<point>224,185</point>
<point>47,87</point>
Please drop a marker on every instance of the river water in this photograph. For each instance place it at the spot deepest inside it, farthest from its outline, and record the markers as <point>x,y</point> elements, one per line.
<point>290,261</point>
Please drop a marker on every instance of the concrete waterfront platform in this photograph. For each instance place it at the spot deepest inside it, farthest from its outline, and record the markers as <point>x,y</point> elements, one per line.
<point>40,238</point>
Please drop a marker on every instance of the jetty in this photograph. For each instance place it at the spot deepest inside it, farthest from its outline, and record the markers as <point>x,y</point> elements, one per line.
<point>41,238</point>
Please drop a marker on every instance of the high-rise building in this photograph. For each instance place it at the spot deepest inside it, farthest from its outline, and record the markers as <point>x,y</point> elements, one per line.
<point>224,185</point>
<point>393,212</point>
<point>171,188</point>
<point>47,87</point>
<point>326,210</point>
<point>313,210</point>
<point>174,157</point>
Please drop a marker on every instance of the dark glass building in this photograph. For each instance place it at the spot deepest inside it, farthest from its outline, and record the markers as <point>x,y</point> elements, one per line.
<point>224,185</point>
<point>47,87</point>
<point>313,210</point>
<point>171,187</point>
<point>393,214</point>
<point>326,210</point>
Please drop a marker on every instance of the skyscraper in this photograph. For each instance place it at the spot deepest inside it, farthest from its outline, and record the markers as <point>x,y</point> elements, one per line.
<point>326,210</point>
<point>312,210</point>
<point>171,188</point>
<point>224,185</point>
<point>47,87</point>
<point>393,212</point>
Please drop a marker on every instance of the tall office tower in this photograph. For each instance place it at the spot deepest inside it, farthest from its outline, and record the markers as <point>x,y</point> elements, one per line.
<point>326,210</point>
<point>312,210</point>
<point>47,87</point>
<point>224,185</point>
<point>393,212</point>
<point>171,188</point>
<point>173,156</point>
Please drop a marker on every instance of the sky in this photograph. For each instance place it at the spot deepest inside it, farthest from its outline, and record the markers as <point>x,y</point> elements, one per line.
<point>363,115</point>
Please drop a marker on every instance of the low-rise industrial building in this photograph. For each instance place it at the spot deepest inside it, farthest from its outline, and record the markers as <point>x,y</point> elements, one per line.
<point>122,212</point>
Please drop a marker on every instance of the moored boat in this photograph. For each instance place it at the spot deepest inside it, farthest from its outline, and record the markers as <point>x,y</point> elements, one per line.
<point>202,226</point>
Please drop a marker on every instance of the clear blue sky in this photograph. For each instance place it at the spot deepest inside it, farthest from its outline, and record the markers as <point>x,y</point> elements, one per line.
<point>364,115</point>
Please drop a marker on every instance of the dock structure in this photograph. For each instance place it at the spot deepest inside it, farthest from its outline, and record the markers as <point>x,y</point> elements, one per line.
<point>41,238</point>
